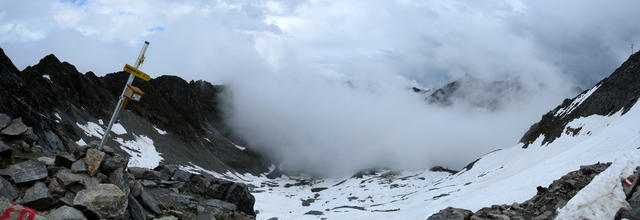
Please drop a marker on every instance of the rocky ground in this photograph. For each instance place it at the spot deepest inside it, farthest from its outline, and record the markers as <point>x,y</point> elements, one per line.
<point>547,201</point>
<point>91,184</point>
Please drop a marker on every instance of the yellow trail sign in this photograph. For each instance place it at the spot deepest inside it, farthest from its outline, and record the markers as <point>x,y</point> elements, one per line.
<point>136,72</point>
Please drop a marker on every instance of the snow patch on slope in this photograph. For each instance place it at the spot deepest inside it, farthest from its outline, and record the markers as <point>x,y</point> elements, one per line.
<point>160,131</point>
<point>240,147</point>
<point>118,129</point>
<point>81,142</point>
<point>91,129</point>
<point>577,102</point>
<point>142,151</point>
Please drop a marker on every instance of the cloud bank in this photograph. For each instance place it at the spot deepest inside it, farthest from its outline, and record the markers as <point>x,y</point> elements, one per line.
<point>324,85</point>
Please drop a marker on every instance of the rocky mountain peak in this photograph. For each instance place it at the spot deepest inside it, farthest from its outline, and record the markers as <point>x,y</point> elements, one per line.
<point>5,64</point>
<point>618,92</point>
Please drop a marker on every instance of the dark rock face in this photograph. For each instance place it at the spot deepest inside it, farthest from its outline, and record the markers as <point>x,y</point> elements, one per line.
<point>188,111</point>
<point>617,92</point>
<point>15,128</point>
<point>475,92</point>
<point>27,171</point>
<point>542,206</point>
<point>235,193</point>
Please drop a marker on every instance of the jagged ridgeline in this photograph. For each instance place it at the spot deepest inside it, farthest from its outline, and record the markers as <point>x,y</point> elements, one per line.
<point>619,91</point>
<point>60,103</point>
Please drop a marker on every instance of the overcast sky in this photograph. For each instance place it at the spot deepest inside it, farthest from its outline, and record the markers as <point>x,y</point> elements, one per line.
<point>430,42</point>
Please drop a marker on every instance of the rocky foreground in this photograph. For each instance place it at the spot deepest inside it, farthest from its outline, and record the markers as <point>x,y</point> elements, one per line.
<point>547,201</point>
<point>92,184</point>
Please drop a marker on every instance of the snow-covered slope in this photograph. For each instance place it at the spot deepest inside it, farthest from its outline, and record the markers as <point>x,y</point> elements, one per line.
<point>501,177</point>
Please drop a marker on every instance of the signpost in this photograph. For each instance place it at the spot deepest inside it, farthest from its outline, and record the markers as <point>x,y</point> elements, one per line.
<point>129,91</point>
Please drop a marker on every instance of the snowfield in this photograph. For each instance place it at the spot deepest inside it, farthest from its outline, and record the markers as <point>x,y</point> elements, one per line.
<point>501,177</point>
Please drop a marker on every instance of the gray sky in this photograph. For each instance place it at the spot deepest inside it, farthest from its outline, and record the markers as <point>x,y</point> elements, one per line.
<point>323,86</point>
<point>427,41</point>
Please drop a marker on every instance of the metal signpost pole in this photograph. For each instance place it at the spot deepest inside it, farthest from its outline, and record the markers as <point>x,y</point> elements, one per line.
<point>119,106</point>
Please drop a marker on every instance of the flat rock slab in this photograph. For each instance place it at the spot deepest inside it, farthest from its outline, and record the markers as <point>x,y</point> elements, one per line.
<point>103,200</point>
<point>93,159</point>
<point>7,190</point>
<point>27,171</point>
<point>66,213</point>
<point>38,197</point>
<point>16,128</point>
<point>135,209</point>
<point>149,202</point>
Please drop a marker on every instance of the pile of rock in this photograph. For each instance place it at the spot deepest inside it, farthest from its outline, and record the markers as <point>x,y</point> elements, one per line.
<point>91,184</point>
<point>543,205</point>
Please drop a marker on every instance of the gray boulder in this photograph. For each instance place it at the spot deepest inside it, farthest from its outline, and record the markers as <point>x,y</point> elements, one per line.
<point>4,120</point>
<point>66,213</point>
<point>38,196</point>
<point>102,201</point>
<point>79,166</point>
<point>27,171</point>
<point>93,159</point>
<point>16,128</point>
<point>7,190</point>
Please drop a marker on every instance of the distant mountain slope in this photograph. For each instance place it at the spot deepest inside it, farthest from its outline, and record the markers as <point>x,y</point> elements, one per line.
<point>180,119</point>
<point>605,129</point>
<point>619,91</point>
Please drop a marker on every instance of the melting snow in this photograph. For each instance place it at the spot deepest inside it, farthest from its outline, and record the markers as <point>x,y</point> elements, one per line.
<point>100,122</point>
<point>603,197</point>
<point>91,129</point>
<point>57,116</point>
<point>577,102</point>
<point>46,76</point>
<point>161,132</point>
<point>81,142</point>
<point>118,129</point>
<point>142,151</point>
<point>240,147</point>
